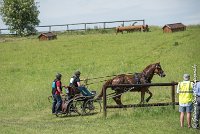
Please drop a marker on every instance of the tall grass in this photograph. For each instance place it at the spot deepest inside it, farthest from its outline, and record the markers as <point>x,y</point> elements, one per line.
<point>27,67</point>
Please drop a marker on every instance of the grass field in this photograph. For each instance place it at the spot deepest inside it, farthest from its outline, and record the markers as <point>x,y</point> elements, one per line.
<point>28,66</point>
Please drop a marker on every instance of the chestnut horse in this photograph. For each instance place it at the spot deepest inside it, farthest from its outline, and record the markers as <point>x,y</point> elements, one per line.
<point>138,78</point>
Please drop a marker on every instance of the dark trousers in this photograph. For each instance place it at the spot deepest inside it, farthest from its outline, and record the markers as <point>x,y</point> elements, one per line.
<point>59,103</point>
<point>54,104</point>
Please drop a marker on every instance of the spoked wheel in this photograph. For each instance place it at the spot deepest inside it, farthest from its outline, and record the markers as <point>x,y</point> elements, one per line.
<point>71,109</point>
<point>78,105</point>
<point>92,106</point>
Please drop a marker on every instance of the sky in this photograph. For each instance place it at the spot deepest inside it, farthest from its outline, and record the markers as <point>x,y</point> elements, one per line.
<point>154,12</point>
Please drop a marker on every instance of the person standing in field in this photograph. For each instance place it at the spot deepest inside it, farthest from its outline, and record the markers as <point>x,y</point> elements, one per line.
<point>56,91</point>
<point>185,91</point>
<point>197,93</point>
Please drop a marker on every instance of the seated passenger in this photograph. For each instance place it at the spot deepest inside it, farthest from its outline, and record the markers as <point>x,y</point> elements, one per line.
<point>75,82</point>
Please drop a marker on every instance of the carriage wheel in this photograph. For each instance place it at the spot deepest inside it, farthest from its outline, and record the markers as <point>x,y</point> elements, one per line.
<point>70,108</point>
<point>78,105</point>
<point>92,106</point>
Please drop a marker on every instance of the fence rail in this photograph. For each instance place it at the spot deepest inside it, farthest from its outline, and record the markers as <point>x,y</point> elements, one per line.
<point>68,27</point>
<point>142,105</point>
<point>173,103</point>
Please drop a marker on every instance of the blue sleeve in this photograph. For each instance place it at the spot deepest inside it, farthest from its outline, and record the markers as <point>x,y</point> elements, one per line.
<point>197,88</point>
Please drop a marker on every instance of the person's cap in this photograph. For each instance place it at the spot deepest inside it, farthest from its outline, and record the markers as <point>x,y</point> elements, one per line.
<point>186,76</point>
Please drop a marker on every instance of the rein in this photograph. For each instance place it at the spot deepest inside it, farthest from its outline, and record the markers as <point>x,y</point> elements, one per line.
<point>112,96</point>
<point>96,78</point>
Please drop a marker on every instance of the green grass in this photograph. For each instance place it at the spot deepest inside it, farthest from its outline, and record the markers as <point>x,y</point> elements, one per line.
<point>27,67</point>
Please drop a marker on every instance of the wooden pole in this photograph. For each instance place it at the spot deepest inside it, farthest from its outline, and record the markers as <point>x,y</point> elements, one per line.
<point>142,105</point>
<point>123,23</point>
<point>173,94</point>
<point>104,25</point>
<point>104,102</point>
<point>67,27</point>
<point>49,28</point>
<point>85,26</point>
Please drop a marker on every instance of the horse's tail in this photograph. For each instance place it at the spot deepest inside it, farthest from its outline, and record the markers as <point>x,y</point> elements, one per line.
<point>108,82</point>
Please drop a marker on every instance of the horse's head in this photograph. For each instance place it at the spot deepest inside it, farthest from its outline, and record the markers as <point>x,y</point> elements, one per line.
<point>158,70</point>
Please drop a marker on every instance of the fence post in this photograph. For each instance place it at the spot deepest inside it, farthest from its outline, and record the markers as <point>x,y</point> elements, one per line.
<point>173,94</point>
<point>143,22</point>
<point>104,102</point>
<point>123,23</point>
<point>67,27</point>
<point>85,26</point>
<point>49,28</point>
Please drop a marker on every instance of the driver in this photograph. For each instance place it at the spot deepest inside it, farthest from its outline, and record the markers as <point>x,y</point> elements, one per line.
<point>75,82</point>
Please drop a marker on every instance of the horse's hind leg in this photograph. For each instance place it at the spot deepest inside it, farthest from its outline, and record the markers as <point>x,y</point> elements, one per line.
<point>150,95</point>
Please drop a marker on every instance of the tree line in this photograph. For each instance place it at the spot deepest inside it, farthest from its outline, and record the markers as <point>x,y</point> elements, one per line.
<point>21,16</point>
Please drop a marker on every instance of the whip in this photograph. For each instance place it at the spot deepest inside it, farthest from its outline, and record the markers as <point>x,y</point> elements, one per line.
<point>194,119</point>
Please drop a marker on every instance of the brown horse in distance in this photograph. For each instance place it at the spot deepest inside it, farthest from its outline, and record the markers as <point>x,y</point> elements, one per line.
<point>141,28</point>
<point>138,78</point>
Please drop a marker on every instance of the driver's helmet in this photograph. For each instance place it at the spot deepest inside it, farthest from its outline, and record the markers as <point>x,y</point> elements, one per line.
<point>77,73</point>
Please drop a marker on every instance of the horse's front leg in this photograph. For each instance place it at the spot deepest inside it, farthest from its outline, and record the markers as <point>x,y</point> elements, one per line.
<point>117,99</point>
<point>142,97</point>
<point>150,95</point>
<point>117,96</point>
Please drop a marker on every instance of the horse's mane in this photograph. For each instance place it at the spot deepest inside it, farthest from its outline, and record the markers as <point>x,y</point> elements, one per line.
<point>149,66</point>
<point>146,71</point>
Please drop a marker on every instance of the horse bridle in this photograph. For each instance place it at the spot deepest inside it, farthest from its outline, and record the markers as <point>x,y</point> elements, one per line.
<point>161,71</point>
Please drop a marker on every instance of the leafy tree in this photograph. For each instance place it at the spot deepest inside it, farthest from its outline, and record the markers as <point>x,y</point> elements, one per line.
<point>21,16</point>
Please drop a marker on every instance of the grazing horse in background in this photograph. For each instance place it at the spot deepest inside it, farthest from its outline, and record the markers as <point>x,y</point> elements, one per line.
<point>138,78</point>
<point>141,28</point>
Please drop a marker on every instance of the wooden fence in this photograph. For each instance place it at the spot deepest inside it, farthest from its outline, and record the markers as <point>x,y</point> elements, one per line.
<point>85,26</point>
<point>173,103</point>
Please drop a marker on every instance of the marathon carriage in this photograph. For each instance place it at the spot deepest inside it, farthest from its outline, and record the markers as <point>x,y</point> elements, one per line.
<point>74,103</point>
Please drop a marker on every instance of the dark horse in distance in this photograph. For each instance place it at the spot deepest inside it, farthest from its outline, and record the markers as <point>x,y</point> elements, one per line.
<point>138,78</point>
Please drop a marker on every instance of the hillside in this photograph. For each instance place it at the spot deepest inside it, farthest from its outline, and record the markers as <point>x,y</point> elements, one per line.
<point>28,66</point>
